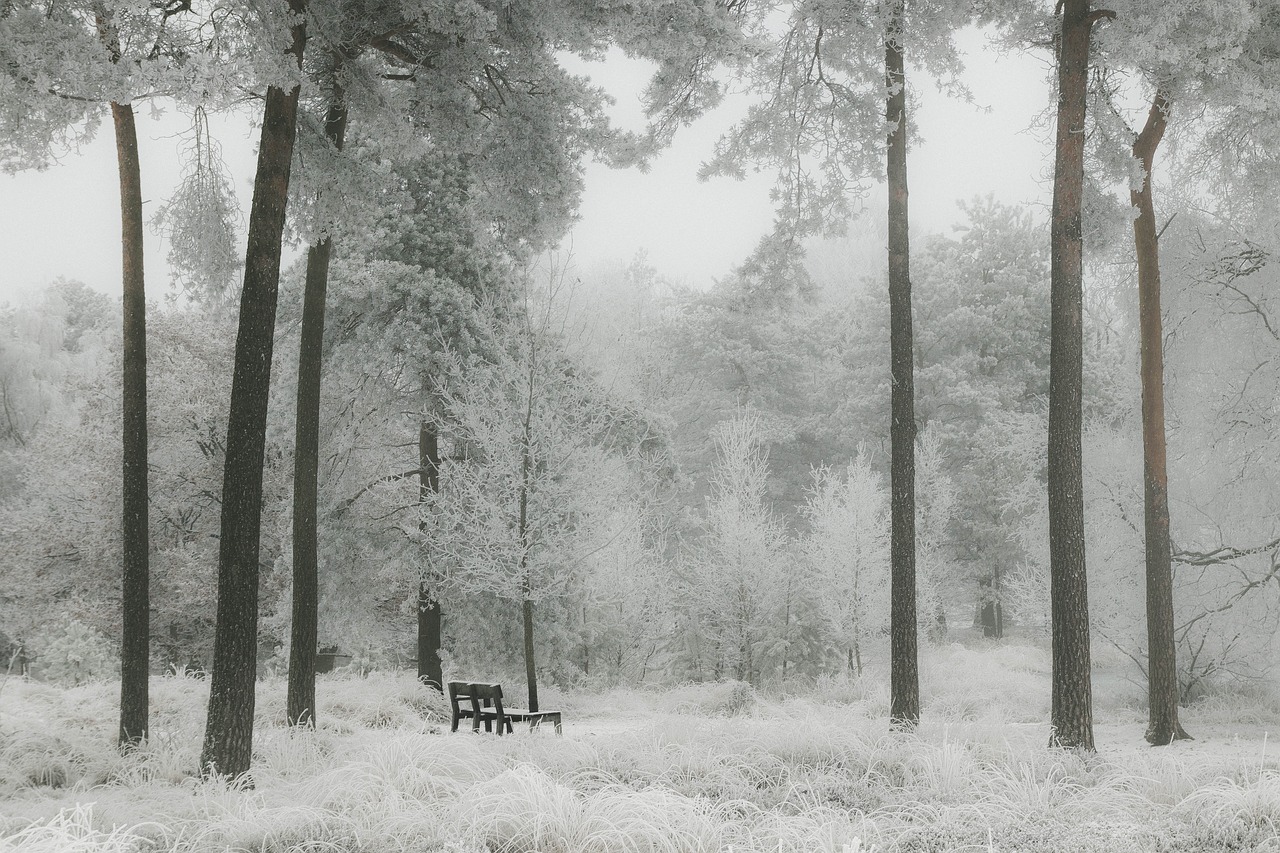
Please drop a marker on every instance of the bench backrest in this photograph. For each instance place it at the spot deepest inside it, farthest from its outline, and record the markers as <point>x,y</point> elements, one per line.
<point>486,696</point>
<point>477,696</point>
<point>458,690</point>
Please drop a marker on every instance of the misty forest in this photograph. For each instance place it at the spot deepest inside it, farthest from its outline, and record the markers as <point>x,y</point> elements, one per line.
<point>889,540</point>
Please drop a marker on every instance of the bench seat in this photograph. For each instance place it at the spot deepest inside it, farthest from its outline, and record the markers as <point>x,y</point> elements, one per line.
<point>520,715</point>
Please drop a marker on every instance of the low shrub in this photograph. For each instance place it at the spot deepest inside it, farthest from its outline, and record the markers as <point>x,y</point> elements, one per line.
<point>712,699</point>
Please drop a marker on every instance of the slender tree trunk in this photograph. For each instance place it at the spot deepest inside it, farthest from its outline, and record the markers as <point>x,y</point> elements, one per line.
<point>429,671</point>
<point>904,676</point>
<point>135,645</point>
<point>997,586</point>
<point>786,633</point>
<point>530,669</point>
<point>526,583</point>
<point>304,630</point>
<point>526,577</point>
<point>135,651</point>
<point>1072,707</point>
<point>1162,665</point>
<point>586,643</point>
<point>228,738</point>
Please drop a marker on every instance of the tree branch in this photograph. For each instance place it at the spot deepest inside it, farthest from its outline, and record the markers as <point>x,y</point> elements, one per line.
<point>1144,147</point>
<point>342,508</point>
<point>1224,554</point>
<point>1098,14</point>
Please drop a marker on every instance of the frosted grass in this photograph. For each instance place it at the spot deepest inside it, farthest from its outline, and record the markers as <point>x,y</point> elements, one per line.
<point>696,768</point>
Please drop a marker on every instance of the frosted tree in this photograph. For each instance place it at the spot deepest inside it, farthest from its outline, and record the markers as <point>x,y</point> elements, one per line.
<point>624,595</point>
<point>849,548</point>
<point>63,526</point>
<point>62,66</point>
<point>740,571</point>
<point>933,536</point>
<point>831,86</point>
<point>1204,57</point>
<point>544,473</point>
<point>478,78</point>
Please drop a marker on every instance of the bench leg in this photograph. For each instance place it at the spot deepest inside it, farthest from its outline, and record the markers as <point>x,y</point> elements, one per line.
<point>535,722</point>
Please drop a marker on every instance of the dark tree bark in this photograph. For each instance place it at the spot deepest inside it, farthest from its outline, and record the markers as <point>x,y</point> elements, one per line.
<point>429,614</point>
<point>531,673</point>
<point>135,650</point>
<point>304,629</point>
<point>991,615</point>
<point>1162,658</point>
<point>135,645</point>
<point>1072,707</point>
<point>904,670</point>
<point>228,738</point>
<point>522,531</point>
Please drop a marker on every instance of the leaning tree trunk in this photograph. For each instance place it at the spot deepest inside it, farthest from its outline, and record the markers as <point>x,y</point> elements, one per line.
<point>301,704</point>
<point>429,615</point>
<point>135,649</point>
<point>1072,708</point>
<point>1162,657</point>
<point>228,737</point>
<point>904,671</point>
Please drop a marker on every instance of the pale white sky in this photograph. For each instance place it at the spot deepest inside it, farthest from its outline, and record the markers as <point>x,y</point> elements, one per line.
<point>65,221</point>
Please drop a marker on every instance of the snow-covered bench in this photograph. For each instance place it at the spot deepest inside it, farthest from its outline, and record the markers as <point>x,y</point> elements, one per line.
<point>482,703</point>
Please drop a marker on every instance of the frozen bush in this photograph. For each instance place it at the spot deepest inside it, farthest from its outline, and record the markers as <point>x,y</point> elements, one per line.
<point>75,655</point>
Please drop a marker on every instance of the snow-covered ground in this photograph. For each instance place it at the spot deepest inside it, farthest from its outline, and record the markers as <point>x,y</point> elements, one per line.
<point>706,767</point>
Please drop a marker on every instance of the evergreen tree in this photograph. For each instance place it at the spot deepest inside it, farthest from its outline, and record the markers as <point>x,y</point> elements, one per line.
<point>1072,706</point>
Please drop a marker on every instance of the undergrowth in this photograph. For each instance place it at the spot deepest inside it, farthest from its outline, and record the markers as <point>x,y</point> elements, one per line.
<point>714,767</point>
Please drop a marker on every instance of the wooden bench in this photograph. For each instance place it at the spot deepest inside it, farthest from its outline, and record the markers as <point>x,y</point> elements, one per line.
<point>460,702</point>
<point>483,704</point>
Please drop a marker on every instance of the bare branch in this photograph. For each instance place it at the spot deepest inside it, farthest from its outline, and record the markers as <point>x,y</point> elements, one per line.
<point>342,508</point>
<point>1224,554</point>
<point>1098,14</point>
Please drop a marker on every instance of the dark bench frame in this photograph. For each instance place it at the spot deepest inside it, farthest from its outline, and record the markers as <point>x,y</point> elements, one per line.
<point>483,704</point>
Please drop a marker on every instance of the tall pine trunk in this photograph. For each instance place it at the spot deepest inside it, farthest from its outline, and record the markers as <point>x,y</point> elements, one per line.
<point>301,703</point>
<point>135,649</point>
<point>1072,706</point>
<point>228,737</point>
<point>135,593</point>
<point>1162,658</point>
<point>429,614</point>
<point>904,671</point>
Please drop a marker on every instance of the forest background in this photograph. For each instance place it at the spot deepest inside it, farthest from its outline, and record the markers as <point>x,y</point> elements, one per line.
<point>711,499</point>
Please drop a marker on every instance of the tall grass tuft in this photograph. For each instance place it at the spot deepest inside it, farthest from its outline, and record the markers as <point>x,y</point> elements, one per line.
<point>72,831</point>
